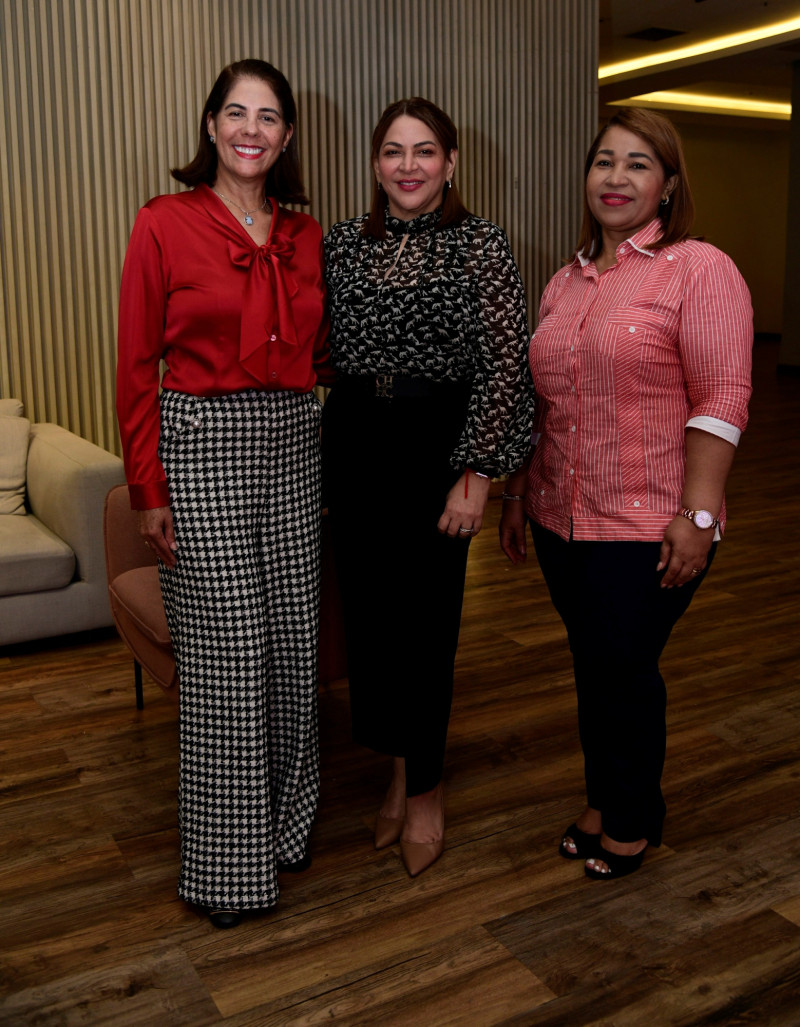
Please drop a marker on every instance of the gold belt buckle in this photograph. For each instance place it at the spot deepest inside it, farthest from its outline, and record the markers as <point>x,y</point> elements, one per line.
<point>383,385</point>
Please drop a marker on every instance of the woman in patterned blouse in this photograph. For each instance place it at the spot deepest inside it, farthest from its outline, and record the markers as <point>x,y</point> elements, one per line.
<point>642,367</point>
<point>433,398</point>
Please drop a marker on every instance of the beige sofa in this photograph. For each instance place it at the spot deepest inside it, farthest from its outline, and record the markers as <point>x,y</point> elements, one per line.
<point>53,486</point>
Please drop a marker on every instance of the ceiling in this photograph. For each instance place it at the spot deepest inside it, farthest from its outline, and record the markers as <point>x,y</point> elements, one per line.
<point>761,72</point>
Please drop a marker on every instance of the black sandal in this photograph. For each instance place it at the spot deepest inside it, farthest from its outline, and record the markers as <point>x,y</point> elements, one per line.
<point>225,918</point>
<point>587,845</point>
<point>618,866</point>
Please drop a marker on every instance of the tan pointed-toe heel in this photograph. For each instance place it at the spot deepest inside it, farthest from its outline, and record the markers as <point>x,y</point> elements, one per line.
<point>418,856</point>
<point>387,831</point>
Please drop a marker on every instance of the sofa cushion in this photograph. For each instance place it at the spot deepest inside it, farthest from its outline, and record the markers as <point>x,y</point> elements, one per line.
<point>11,407</point>
<point>15,433</point>
<point>32,558</point>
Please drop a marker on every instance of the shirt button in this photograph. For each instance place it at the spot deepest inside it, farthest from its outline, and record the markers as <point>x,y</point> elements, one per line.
<point>631,329</point>
<point>670,256</point>
<point>622,249</point>
<point>274,374</point>
<point>196,423</point>
<point>273,338</point>
<point>541,492</point>
<point>567,275</point>
<point>637,503</point>
<point>572,427</point>
<point>572,349</point>
<point>572,470</point>
<point>572,389</point>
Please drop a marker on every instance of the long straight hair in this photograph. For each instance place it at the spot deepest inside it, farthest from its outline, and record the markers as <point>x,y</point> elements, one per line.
<point>284,178</point>
<point>453,210</point>
<point>678,214</point>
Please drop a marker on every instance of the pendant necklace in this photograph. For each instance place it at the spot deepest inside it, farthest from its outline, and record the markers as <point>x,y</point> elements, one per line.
<point>248,214</point>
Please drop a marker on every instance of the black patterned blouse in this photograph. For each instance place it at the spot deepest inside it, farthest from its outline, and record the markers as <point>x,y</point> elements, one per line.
<point>447,305</point>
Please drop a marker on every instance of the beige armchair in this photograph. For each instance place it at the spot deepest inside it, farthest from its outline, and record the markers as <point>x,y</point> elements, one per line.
<point>52,564</point>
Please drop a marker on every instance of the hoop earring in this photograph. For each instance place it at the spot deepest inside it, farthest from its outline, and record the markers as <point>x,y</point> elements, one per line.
<point>664,202</point>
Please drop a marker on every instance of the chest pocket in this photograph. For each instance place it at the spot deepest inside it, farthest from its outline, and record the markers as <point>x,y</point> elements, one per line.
<point>638,336</point>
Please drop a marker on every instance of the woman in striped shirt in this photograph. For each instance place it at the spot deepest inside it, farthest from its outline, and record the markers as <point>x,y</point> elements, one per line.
<point>641,361</point>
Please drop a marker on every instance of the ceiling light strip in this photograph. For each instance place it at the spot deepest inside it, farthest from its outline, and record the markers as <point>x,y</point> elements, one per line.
<point>789,28</point>
<point>676,100</point>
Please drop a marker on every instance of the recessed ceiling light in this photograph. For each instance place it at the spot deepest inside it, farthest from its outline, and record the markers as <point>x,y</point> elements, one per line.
<point>655,35</point>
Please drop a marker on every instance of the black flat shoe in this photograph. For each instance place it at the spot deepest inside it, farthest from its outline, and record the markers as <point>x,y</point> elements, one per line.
<point>225,918</point>
<point>618,866</point>
<point>587,845</point>
<point>295,867</point>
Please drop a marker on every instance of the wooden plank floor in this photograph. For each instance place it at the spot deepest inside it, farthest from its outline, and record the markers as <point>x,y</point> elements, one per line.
<point>501,930</point>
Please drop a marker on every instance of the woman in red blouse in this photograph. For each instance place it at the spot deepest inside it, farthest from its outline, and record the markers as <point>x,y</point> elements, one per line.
<point>641,362</point>
<point>223,289</point>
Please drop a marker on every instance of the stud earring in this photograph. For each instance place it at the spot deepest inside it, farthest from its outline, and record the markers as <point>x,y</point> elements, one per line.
<point>211,139</point>
<point>283,150</point>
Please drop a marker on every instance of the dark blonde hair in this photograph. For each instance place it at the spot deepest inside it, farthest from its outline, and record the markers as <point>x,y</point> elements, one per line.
<point>453,210</point>
<point>284,178</point>
<point>676,216</point>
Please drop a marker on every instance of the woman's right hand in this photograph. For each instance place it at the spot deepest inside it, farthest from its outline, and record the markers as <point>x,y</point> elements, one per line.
<point>155,527</point>
<point>512,531</point>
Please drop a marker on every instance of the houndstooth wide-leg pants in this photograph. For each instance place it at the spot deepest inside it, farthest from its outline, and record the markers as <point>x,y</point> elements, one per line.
<point>243,607</point>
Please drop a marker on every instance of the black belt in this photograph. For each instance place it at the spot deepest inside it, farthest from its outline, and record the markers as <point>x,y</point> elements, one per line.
<point>389,386</point>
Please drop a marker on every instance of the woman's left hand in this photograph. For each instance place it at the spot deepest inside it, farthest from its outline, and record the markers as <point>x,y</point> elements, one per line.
<point>683,552</point>
<point>465,506</point>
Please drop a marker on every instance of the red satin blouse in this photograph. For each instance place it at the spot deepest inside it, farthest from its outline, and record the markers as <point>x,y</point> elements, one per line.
<point>223,314</point>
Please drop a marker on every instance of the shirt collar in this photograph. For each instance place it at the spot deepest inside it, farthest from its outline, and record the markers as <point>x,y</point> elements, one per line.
<point>639,242</point>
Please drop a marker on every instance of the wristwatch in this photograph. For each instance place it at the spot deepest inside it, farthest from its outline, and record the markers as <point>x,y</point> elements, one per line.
<point>700,518</point>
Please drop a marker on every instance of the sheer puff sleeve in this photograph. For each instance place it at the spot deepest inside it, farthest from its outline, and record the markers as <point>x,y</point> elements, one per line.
<point>496,437</point>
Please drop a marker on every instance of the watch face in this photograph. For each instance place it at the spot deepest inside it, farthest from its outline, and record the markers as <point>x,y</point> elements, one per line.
<point>703,519</point>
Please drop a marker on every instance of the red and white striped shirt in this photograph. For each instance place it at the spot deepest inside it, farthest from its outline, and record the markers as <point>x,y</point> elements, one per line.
<point>622,362</point>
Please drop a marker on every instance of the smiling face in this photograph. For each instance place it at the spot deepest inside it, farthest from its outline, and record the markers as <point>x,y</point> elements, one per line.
<point>625,185</point>
<point>412,167</point>
<point>250,134</point>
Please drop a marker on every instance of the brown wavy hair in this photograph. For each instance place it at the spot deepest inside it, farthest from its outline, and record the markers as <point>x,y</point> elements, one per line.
<point>453,210</point>
<point>284,178</point>
<point>677,216</point>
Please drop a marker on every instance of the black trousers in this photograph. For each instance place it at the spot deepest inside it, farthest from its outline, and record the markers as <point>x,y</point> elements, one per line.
<point>618,620</point>
<point>386,475</point>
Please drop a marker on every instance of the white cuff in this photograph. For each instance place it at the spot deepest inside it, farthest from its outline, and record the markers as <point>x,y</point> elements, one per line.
<point>714,426</point>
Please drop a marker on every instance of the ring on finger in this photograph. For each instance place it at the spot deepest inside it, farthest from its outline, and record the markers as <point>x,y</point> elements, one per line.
<point>465,531</point>
<point>695,570</point>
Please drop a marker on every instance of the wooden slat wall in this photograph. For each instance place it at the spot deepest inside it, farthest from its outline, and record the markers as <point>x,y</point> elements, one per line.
<point>101,98</point>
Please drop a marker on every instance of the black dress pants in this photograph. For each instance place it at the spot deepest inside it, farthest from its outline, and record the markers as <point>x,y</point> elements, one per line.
<point>618,620</point>
<point>386,475</point>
